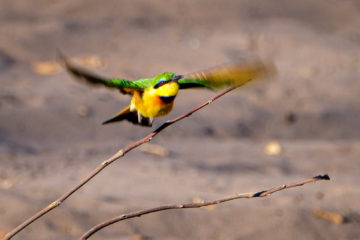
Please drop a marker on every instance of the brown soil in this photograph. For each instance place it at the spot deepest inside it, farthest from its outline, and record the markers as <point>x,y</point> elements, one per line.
<point>51,136</point>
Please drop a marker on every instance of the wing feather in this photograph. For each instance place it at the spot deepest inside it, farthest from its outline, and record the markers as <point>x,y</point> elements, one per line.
<point>125,86</point>
<point>226,75</point>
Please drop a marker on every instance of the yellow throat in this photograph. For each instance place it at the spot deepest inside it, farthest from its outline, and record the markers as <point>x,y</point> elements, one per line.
<point>155,102</point>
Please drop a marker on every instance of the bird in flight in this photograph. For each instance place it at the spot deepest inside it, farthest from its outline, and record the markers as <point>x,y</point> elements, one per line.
<point>154,97</point>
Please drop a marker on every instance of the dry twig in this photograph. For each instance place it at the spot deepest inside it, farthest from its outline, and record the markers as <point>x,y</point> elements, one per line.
<point>264,193</point>
<point>107,162</point>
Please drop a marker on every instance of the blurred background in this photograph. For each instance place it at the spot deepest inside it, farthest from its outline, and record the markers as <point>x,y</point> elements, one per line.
<point>301,123</point>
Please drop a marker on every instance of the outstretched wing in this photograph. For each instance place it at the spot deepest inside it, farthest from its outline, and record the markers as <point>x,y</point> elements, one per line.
<point>125,86</point>
<point>226,75</point>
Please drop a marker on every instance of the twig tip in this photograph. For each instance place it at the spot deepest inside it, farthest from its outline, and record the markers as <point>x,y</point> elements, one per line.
<point>322,177</point>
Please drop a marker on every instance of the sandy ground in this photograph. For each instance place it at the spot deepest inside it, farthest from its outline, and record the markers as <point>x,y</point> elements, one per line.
<point>51,136</point>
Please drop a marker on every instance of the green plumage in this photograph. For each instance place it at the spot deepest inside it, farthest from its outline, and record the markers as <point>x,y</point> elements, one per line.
<point>153,97</point>
<point>215,78</point>
<point>122,83</point>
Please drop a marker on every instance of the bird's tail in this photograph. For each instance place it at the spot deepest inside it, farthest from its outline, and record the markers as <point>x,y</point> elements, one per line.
<point>133,117</point>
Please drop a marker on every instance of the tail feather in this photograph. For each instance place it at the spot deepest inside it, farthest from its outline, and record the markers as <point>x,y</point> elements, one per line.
<point>126,114</point>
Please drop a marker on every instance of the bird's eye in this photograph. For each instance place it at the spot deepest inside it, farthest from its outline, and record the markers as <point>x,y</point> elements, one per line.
<point>160,83</point>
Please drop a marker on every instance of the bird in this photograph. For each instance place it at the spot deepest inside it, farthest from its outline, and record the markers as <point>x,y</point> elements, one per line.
<point>154,97</point>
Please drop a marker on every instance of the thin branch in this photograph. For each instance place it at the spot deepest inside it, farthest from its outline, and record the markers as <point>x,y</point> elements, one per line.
<point>264,193</point>
<point>106,163</point>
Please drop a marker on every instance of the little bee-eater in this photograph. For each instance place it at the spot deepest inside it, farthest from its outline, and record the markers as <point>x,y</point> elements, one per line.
<point>154,97</point>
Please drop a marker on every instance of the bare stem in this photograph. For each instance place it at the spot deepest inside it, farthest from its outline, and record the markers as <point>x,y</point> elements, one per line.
<point>264,193</point>
<point>106,163</point>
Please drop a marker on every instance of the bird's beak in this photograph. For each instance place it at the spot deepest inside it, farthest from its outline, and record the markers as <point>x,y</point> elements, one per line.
<point>177,78</point>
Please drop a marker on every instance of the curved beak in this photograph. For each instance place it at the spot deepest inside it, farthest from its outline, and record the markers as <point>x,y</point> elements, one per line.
<point>176,78</point>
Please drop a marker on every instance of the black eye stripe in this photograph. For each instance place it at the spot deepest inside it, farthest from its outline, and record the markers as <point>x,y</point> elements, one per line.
<point>164,80</point>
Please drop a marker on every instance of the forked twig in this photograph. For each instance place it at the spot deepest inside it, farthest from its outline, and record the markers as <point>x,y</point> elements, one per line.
<point>264,193</point>
<point>107,162</point>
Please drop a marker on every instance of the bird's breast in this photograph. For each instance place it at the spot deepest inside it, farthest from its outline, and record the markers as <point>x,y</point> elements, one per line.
<point>151,104</point>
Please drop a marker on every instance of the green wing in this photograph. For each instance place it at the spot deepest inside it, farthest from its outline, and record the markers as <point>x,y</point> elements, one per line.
<point>227,75</point>
<point>125,86</point>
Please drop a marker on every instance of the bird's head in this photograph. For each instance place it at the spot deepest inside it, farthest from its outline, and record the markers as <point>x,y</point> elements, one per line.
<point>166,86</point>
